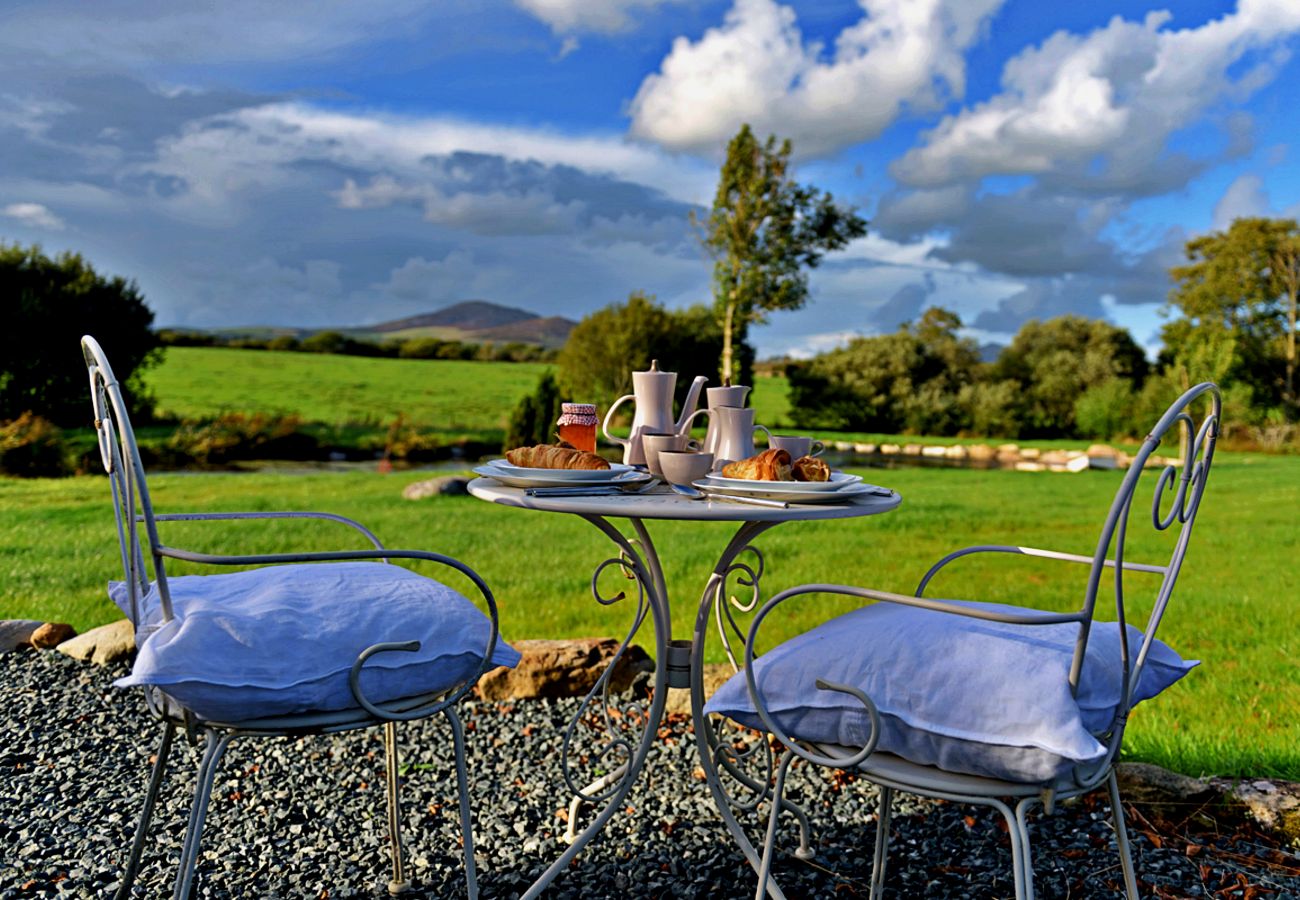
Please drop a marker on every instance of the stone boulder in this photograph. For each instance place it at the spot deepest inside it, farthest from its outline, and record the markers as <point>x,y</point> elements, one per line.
<point>1270,804</point>
<point>443,486</point>
<point>567,668</point>
<point>51,634</point>
<point>104,645</point>
<point>15,633</point>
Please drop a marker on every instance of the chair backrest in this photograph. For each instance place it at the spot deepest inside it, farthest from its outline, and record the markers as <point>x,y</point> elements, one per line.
<point>131,503</point>
<point>1187,488</point>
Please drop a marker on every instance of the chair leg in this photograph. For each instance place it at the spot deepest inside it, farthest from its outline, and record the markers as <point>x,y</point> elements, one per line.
<point>1019,850</point>
<point>769,845</point>
<point>884,814</point>
<point>1121,838</point>
<point>213,750</point>
<point>462,788</point>
<point>1026,855</point>
<point>146,814</point>
<point>398,884</point>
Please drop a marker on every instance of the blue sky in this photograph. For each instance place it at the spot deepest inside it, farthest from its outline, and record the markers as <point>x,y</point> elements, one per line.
<point>343,163</point>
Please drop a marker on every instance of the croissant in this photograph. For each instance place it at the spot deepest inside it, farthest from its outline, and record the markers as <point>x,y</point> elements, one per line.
<point>549,456</point>
<point>810,468</point>
<point>772,464</point>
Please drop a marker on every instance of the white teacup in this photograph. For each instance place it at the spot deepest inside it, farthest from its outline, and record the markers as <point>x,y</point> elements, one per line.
<point>654,444</point>
<point>684,466</point>
<point>796,446</point>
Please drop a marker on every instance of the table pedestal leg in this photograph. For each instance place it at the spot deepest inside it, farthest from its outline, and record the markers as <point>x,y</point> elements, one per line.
<point>624,756</point>
<point>718,758</point>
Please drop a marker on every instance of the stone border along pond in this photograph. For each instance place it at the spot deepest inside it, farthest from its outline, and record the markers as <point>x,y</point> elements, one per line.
<point>304,817</point>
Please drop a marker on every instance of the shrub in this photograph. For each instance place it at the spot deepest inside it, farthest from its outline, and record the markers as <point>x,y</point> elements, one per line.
<point>1105,411</point>
<point>236,436</point>
<point>533,418</point>
<point>32,447</point>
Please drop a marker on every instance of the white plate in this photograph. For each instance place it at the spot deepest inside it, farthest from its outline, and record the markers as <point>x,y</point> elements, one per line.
<point>838,480</point>
<point>512,477</point>
<point>763,490</point>
<point>566,475</point>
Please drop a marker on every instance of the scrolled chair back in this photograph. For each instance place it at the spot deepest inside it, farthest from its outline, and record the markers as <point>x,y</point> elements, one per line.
<point>132,507</point>
<point>1174,504</point>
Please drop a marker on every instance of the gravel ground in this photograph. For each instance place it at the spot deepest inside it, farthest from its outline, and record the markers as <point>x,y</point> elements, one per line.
<point>305,817</point>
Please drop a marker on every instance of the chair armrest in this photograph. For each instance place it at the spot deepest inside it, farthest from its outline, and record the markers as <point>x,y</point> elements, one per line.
<point>377,711</point>
<point>1030,617</point>
<point>1027,551</point>
<point>228,516</point>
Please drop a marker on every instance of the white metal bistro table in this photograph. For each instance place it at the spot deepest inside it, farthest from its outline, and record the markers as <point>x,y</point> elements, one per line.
<point>677,663</point>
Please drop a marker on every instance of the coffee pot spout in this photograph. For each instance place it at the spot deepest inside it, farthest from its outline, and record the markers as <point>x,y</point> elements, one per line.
<point>689,404</point>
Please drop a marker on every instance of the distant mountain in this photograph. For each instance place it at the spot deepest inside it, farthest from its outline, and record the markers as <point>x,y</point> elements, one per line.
<point>551,331</point>
<point>470,315</point>
<point>989,352</point>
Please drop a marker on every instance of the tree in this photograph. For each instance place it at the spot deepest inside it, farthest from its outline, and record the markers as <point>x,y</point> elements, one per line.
<point>49,304</point>
<point>915,380</point>
<point>1057,360</point>
<point>1235,301</point>
<point>597,360</point>
<point>763,233</point>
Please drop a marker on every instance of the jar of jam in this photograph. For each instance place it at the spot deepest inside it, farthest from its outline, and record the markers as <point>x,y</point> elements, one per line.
<point>577,425</point>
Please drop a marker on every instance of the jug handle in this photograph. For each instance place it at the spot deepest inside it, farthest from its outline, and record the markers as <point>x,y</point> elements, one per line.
<point>686,423</point>
<point>609,415</point>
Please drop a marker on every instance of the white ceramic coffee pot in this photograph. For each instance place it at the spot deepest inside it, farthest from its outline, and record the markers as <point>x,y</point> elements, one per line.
<point>653,392</point>
<point>735,432</point>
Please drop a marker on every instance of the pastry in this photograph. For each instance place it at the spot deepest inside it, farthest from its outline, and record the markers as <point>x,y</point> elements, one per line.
<point>810,468</point>
<point>770,465</point>
<point>550,456</point>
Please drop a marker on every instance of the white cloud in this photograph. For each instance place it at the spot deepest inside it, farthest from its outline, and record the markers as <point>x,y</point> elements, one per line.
<point>33,215</point>
<point>240,148</point>
<point>531,211</point>
<point>1244,198</point>
<point>756,68</point>
<point>606,16</point>
<point>1096,111</point>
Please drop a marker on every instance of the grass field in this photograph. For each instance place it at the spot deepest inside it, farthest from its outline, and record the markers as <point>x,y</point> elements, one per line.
<point>1239,713</point>
<point>453,396</point>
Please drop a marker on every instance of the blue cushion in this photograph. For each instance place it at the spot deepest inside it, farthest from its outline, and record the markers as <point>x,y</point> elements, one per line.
<point>282,639</point>
<point>966,695</point>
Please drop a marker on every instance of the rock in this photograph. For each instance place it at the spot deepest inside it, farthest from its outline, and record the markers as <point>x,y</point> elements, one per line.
<point>890,449</point>
<point>51,634</point>
<point>1030,453</point>
<point>15,633</point>
<point>567,668</point>
<point>715,675</point>
<point>911,449</point>
<point>956,451</point>
<point>1054,458</point>
<point>1272,805</point>
<point>1027,466</point>
<point>103,645</point>
<point>981,452</point>
<point>1078,464</point>
<point>934,450</point>
<point>443,486</point>
<point>864,449</point>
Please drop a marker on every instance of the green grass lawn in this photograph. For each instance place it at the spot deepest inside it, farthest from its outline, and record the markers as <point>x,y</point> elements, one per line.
<point>454,396</point>
<point>1239,713</point>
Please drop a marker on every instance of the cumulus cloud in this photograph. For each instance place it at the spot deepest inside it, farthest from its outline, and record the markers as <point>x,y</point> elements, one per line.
<point>34,215</point>
<point>756,67</point>
<point>606,16</point>
<point>1095,112</point>
<point>1244,198</point>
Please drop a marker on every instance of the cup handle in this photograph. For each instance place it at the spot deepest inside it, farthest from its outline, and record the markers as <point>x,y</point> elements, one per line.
<point>693,445</point>
<point>609,415</point>
<point>817,448</point>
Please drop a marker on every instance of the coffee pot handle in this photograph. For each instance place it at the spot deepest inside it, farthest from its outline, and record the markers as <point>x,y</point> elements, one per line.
<point>686,423</point>
<point>763,428</point>
<point>609,415</point>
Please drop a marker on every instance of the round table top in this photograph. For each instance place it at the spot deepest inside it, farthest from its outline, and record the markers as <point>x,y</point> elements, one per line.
<point>662,503</point>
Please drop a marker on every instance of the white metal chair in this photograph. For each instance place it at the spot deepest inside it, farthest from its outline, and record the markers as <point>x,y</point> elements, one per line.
<point>154,604</point>
<point>1118,659</point>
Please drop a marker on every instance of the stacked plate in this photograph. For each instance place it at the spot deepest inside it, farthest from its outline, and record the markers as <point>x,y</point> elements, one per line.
<point>519,476</point>
<point>841,488</point>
